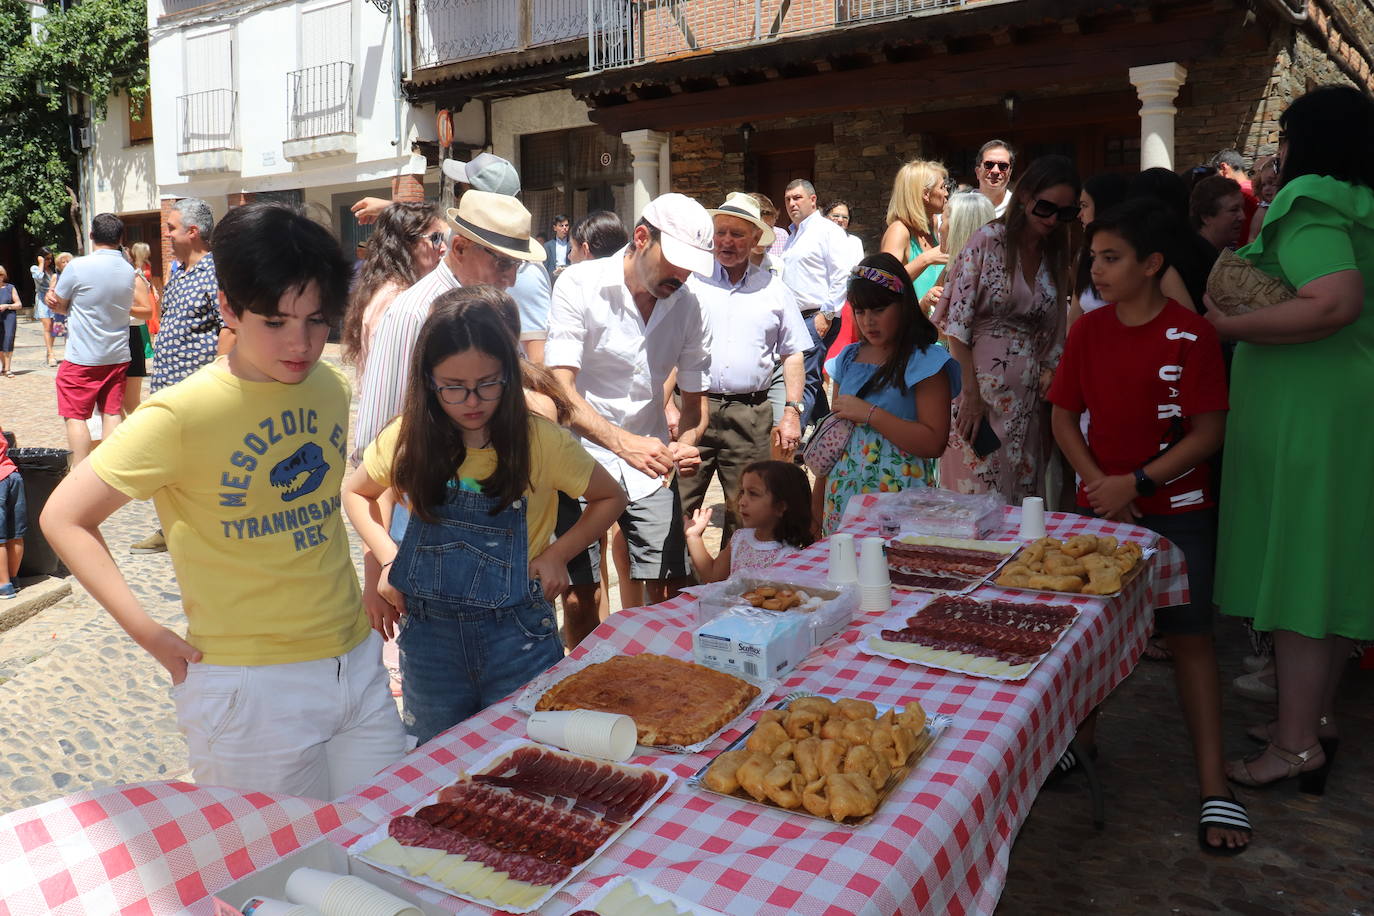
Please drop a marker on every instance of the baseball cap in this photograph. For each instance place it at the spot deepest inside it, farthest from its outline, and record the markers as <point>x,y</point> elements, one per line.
<point>686,230</point>
<point>486,172</point>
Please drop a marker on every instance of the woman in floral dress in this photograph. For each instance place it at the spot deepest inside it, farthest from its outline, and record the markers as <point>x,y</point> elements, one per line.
<point>895,385</point>
<point>1003,311</point>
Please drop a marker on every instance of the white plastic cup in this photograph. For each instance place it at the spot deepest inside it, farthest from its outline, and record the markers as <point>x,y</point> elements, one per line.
<point>585,731</point>
<point>1032,518</point>
<point>310,886</point>
<point>844,567</point>
<point>875,598</point>
<point>266,906</point>
<point>873,563</point>
<point>353,896</point>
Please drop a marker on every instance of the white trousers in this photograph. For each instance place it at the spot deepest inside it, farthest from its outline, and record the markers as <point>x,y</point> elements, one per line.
<point>315,729</point>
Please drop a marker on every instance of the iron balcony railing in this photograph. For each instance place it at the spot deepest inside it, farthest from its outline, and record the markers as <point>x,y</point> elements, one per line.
<point>622,33</point>
<point>208,120</point>
<point>447,31</point>
<point>321,100</point>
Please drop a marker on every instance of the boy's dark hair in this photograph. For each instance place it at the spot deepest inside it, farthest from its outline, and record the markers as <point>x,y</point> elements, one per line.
<point>560,218</point>
<point>430,447</point>
<point>915,332</point>
<point>1164,186</point>
<point>265,250</point>
<point>787,484</point>
<point>107,229</point>
<point>1205,201</point>
<point>1330,131</point>
<point>602,232</point>
<point>1145,224</point>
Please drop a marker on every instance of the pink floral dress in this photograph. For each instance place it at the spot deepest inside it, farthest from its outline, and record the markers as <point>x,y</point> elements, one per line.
<point>1015,333</point>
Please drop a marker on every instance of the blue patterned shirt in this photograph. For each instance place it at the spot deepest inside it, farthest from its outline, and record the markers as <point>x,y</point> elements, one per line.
<point>190,323</point>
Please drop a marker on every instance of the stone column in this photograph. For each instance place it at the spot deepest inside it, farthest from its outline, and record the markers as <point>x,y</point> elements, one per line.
<point>1157,85</point>
<point>645,152</point>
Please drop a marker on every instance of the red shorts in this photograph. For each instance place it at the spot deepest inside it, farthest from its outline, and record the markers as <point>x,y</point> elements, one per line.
<point>85,390</point>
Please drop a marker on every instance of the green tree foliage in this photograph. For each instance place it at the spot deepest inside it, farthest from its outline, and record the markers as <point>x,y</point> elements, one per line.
<point>94,49</point>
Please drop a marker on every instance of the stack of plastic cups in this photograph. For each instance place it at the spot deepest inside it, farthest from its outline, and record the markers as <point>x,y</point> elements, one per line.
<point>1032,518</point>
<point>875,584</point>
<point>585,731</point>
<point>344,895</point>
<point>843,565</point>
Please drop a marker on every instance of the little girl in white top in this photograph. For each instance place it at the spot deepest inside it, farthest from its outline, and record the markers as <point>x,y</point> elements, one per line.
<point>774,505</point>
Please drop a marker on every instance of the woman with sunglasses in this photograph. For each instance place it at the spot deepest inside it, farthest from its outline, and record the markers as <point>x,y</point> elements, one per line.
<point>1003,313</point>
<point>407,242</point>
<point>1295,538</point>
<point>919,194</point>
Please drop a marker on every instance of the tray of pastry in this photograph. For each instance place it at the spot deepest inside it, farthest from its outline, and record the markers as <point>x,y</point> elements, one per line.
<point>678,706</point>
<point>1087,564</point>
<point>835,760</point>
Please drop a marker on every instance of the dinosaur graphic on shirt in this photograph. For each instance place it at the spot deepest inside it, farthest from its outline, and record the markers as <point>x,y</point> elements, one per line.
<point>286,474</point>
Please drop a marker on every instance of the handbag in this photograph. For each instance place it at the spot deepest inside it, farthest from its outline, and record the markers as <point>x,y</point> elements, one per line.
<point>827,444</point>
<point>1236,286</point>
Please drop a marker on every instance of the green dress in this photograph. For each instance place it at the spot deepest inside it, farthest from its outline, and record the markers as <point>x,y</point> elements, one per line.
<point>925,280</point>
<point>1297,509</point>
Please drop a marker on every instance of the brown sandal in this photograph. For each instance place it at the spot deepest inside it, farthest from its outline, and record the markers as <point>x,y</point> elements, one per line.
<point>1310,765</point>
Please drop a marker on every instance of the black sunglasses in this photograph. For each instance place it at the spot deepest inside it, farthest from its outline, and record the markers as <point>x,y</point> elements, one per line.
<point>1046,208</point>
<point>989,165</point>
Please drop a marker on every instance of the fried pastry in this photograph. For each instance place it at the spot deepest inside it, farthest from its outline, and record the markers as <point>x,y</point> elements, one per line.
<point>1059,564</point>
<point>815,799</point>
<point>831,756</point>
<point>833,727</point>
<point>720,776</point>
<point>1079,545</point>
<point>751,773</point>
<point>784,751</point>
<point>1104,575</point>
<point>858,731</point>
<point>850,796</point>
<point>821,705</point>
<point>1057,583</point>
<point>803,723</point>
<point>1106,545</point>
<point>856,709</point>
<point>765,737</point>
<point>783,786</point>
<point>913,716</point>
<point>807,754</point>
<point>773,715</point>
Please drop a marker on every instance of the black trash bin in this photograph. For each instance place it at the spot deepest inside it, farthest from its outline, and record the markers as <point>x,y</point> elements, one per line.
<point>43,470</point>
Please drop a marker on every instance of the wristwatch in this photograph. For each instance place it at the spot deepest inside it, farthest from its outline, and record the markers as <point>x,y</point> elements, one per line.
<point>1143,484</point>
<point>795,405</point>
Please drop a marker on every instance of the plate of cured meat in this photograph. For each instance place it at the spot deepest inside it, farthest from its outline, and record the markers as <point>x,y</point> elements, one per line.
<point>940,564</point>
<point>514,829</point>
<point>998,639</point>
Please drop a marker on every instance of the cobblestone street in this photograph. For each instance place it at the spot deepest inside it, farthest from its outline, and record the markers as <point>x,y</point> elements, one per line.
<point>82,706</point>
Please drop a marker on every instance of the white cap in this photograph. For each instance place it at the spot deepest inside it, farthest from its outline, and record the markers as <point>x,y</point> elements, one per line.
<point>687,232</point>
<point>486,172</point>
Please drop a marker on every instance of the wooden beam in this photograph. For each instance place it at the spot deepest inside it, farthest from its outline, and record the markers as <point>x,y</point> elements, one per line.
<point>1102,57</point>
<point>782,141</point>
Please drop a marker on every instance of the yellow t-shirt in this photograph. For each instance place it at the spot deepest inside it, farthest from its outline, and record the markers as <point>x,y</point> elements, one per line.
<point>557,463</point>
<point>245,477</point>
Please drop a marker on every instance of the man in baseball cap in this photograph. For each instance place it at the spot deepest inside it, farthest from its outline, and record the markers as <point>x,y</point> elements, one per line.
<point>486,172</point>
<point>620,326</point>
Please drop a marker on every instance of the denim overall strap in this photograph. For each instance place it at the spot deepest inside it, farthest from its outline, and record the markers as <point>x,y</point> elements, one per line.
<point>467,556</point>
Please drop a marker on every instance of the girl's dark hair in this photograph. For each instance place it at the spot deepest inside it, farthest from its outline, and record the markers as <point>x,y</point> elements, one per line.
<point>602,232</point>
<point>397,230</point>
<point>914,331</point>
<point>1330,132</point>
<point>430,445</point>
<point>533,376</point>
<point>1205,201</point>
<point>1164,186</point>
<point>787,484</point>
<point>1146,224</point>
<point>1044,173</point>
<point>1107,189</point>
<point>265,250</point>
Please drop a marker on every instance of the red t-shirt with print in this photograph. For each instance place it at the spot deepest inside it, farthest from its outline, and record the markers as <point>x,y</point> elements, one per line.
<point>1140,386</point>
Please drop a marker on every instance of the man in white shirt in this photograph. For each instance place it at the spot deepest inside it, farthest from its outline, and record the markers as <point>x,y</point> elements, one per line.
<point>993,170</point>
<point>754,323</point>
<point>618,328</point>
<point>815,266</point>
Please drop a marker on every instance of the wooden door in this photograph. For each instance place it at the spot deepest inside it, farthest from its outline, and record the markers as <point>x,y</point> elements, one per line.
<point>775,170</point>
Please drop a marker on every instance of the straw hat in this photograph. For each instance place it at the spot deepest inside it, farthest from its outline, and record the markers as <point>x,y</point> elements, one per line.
<point>496,221</point>
<point>743,206</point>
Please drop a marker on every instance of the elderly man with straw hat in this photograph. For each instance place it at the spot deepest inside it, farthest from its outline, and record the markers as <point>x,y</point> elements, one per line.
<point>491,240</point>
<point>755,323</point>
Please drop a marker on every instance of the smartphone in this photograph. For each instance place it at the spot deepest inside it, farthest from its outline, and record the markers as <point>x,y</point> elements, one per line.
<point>985,441</point>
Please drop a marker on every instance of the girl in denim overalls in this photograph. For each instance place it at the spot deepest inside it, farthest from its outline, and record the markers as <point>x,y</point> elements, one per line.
<point>475,574</point>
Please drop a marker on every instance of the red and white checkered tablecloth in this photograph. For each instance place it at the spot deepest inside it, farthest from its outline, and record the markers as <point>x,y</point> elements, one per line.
<point>150,848</point>
<point>939,844</point>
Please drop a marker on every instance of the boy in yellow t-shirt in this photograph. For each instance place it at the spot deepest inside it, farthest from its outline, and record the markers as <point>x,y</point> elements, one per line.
<point>279,684</point>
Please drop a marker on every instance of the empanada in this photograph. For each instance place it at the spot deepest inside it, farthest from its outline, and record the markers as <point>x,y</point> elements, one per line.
<point>783,786</point>
<point>720,776</point>
<point>751,772</point>
<point>807,754</point>
<point>765,737</point>
<point>831,756</point>
<point>856,709</point>
<point>850,796</point>
<point>1057,583</point>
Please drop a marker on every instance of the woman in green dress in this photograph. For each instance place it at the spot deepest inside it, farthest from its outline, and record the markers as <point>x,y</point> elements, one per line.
<point>919,194</point>
<point>1297,507</point>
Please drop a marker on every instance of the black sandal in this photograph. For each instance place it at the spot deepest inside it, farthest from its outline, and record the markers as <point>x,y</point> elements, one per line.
<point>1067,763</point>
<point>1224,813</point>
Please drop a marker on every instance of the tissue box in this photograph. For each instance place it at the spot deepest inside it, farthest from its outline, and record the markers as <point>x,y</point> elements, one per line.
<point>751,643</point>
<point>833,614</point>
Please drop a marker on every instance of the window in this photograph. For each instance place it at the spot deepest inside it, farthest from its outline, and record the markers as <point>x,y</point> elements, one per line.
<point>140,119</point>
<point>1122,152</point>
<point>572,172</point>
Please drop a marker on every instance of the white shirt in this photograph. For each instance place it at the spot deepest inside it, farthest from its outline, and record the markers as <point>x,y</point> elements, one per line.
<point>560,252</point>
<point>383,386</point>
<point>622,362</point>
<point>754,324</point>
<point>999,209</point>
<point>815,264</point>
<point>856,250</point>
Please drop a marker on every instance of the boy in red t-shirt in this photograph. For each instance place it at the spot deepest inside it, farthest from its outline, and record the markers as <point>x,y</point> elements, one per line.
<point>1150,374</point>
